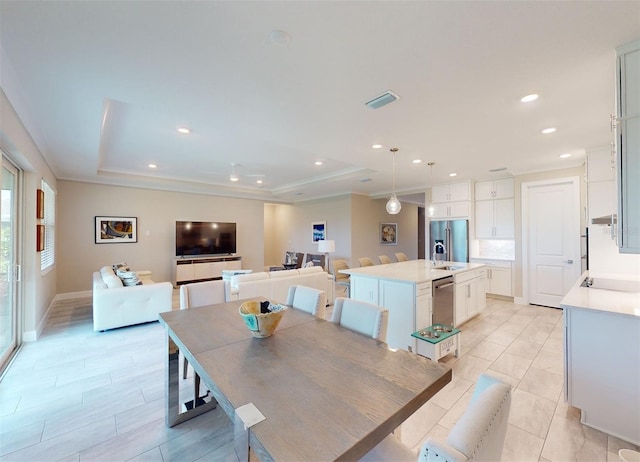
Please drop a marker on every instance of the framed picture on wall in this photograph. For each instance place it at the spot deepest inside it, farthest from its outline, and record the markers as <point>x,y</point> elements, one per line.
<point>388,234</point>
<point>114,230</point>
<point>318,231</point>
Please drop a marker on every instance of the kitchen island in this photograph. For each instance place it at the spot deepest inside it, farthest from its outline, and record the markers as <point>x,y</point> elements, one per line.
<point>602,352</point>
<point>404,288</point>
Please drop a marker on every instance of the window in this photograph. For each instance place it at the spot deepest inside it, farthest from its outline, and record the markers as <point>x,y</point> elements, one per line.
<point>47,256</point>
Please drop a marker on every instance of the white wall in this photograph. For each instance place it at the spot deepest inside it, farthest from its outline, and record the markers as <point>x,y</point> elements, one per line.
<point>37,290</point>
<point>157,212</point>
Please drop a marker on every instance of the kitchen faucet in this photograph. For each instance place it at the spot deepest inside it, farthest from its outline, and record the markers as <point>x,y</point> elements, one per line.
<point>435,255</point>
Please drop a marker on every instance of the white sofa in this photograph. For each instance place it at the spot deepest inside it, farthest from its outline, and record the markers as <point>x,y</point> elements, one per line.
<point>115,305</point>
<point>274,285</point>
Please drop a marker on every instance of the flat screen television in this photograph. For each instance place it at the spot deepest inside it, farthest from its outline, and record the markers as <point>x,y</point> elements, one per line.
<point>205,238</point>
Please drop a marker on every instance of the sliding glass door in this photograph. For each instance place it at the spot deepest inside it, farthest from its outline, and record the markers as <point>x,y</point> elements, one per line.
<point>8,253</point>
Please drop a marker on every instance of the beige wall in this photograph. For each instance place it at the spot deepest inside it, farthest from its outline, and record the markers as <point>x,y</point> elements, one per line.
<point>157,212</point>
<point>37,290</point>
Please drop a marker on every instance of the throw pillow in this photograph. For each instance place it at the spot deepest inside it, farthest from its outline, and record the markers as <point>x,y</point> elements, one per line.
<point>121,266</point>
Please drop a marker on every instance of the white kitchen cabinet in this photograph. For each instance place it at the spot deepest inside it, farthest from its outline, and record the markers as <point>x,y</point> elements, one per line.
<point>628,161</point>
<point>497,276</point>
<point>495,219</point>
<point>451,210</point>
<point>409,305</point>
<point>469,297</point>
<point>452,192</point>
<point>602,370</point>
<point>496,189</point>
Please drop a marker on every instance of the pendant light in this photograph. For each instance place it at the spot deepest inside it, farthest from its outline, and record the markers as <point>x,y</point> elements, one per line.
<point>393,204</point>
<point>431,209</point>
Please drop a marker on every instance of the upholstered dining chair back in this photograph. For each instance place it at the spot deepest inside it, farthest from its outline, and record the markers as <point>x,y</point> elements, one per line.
<point>401,257</point>
<point>384,259</point>
<point>341,279</point>
<point>307,299</point>
<point>203,293</point>
<point>362,317</point>
<point>365,261</point>
<point>477,436</point>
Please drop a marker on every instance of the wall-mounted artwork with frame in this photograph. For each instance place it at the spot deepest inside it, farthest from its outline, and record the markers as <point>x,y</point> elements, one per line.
<point>39,238</point>
<point>114,230</point>
<point>388,234</point>
<point>39,204</point>
<point>319,231</point>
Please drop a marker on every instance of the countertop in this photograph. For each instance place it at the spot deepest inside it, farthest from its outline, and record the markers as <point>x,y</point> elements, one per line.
<point>613,301</point>
<point>415,271</point>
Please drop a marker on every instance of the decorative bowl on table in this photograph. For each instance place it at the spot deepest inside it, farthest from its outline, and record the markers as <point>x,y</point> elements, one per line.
<point>262,318</point>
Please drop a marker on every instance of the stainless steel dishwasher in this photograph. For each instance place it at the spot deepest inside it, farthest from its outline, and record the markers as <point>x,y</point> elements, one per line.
<point>443,301</point>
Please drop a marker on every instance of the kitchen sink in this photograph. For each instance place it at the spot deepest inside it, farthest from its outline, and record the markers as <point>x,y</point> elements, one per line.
<point>616,285</point>
<point>449,268</point>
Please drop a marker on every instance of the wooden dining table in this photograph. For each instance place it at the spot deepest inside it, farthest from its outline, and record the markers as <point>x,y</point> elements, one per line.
<point>327,393</point>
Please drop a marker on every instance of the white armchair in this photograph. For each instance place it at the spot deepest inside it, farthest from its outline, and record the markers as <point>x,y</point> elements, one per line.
<point>307,299</point>
<point>478,435</point>
<point>362,317</point>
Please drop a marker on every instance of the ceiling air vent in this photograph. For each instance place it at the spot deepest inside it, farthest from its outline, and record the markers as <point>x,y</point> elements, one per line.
<point>382,100</point>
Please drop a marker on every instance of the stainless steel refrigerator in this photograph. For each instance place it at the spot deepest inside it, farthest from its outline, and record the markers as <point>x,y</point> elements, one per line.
<point>454,235</point>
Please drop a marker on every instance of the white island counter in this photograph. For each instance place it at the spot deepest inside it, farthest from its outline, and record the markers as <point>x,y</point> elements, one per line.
<point>404,288</point>
<point>602,353</point>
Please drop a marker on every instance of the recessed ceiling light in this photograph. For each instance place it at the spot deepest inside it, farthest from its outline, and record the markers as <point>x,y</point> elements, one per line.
<point>376,146</point>
<point>417,161</point>
<point>529,98</point>
<point>259,181</point>
<point>318,162</point>
<point>452,174</point>
<point>565,155</point>
<point>184,130</point>
<point>546,131</point>
<point>153,166</point>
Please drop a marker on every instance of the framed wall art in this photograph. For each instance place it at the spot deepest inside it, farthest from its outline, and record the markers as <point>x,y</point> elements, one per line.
<point>388,233</point>
<point>114,230</point>
<point>39,204</point>
<point>39,238</point>
<point>319,231</point>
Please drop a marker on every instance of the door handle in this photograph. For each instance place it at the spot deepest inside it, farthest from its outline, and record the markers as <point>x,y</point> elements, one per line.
<point>568,261</point>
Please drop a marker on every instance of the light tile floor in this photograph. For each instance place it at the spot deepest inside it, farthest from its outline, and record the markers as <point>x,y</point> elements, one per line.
<point>78,395</point>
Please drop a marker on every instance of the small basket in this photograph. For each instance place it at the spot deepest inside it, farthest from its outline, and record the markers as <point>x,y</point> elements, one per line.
<point>261,325</point>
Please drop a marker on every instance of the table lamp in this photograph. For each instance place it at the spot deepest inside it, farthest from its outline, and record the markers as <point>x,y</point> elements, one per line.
<point>327,247</point>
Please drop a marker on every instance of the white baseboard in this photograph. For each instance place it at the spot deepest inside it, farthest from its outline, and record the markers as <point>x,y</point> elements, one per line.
<point>73,295</point>
<point>32,335</point>
<point>520,301</point>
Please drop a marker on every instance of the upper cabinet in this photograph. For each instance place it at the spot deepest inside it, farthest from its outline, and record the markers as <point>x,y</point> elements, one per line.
<point>451,192</point>
<point>451,200</point>
<point>495,209</point>
<point>497,189</point>
<point>628,161</point>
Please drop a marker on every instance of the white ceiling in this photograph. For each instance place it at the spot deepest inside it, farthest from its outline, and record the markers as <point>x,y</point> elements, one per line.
<point>102,87</point>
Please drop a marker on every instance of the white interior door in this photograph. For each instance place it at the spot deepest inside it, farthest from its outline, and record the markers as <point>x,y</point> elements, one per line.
<point>551,238</point>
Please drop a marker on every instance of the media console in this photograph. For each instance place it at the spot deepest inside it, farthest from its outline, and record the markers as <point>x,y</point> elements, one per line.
<point>197,269</point>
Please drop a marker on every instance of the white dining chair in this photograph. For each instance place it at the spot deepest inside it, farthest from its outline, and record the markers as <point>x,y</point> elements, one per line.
<point>477,436</point>
<point>307,299</point>
<point>202,294</point>
<point>362,317</point>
